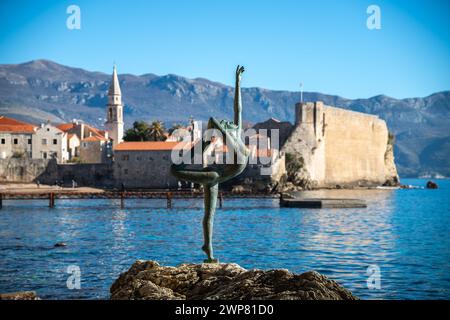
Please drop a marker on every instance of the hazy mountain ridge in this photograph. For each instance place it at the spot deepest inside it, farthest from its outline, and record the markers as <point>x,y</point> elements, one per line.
<point>39,90</point>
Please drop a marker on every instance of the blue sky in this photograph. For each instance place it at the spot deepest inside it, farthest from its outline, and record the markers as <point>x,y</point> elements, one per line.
<point>324,43</point>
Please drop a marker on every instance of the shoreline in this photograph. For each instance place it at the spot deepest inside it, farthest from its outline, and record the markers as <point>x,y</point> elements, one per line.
<point>15,187</point>
<point>26,187</point>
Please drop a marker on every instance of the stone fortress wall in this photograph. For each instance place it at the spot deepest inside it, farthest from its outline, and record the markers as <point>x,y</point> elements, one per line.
<point>341,147</point>
<point>26,170</point>
<point>141,169</point>
<point>48,171</point>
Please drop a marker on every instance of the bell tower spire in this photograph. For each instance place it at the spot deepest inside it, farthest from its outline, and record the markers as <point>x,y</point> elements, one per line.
<point>114,113</point>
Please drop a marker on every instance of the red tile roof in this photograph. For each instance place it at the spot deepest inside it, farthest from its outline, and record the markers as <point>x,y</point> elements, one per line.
<point>95,132</point>
<point>93,139</point>
<point>15,126</point>
<point>65,126</point>
<point>152,146</point>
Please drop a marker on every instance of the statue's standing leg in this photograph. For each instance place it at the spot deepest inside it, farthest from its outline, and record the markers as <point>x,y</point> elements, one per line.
<point>211,192</point>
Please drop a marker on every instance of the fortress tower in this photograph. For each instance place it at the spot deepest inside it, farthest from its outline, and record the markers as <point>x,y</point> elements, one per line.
<point>311,114</point>
<point>114,112</point>
<point>341,147</point>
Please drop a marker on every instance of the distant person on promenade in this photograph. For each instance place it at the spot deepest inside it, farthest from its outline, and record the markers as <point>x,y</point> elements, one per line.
<point>74,184</point>
<point>38,185</point>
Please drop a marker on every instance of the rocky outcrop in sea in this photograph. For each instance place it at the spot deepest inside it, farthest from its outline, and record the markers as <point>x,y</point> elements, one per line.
<point>147,280</point>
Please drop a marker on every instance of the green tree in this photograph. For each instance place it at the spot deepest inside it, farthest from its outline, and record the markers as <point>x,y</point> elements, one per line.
<point>391,138</point>
<point>175,126</point>
<point>139,132</point>
<point>156,131</point>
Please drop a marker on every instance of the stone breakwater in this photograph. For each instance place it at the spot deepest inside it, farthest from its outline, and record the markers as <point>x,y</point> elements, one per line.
<point>147,280</point>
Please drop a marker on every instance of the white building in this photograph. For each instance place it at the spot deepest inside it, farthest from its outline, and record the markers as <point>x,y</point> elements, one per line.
<point>193,132</point>
<point>87,143</point>
<point>49,142</point>
<point>15,138</point>
<point>114,116</point>
<point>73,145</point>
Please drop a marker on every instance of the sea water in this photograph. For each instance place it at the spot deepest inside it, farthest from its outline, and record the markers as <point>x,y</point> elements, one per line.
<point>402,239</point>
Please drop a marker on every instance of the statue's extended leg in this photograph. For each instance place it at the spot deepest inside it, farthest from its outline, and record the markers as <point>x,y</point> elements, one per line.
<point>208,220</point>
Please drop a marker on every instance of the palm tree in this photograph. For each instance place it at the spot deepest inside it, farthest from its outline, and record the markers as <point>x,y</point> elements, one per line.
<point>139,132</point>
<point>156,131</point>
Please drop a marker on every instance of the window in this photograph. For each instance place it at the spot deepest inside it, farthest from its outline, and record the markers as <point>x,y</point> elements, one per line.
<point>3,141</point>
<point>16,141</point>
<point>125,157</point>
<point>138,158</point>
<point>29,141</point>
<point>44,142</point>
<point>44,155</point>
<point>55,141</point>
<point>84,144</point>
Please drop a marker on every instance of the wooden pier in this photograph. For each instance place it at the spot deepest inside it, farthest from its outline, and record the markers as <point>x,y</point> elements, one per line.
<point>319,203</point>
<point>170,196</point>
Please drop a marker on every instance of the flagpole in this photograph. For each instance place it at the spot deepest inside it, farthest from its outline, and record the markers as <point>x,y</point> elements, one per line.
<point>301,92</point>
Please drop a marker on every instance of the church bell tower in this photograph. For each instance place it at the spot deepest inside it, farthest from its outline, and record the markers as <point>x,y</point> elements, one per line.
<point>114,112</point>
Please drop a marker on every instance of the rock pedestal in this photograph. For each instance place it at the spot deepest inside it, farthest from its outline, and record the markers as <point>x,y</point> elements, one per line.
<point>23,295</point>
<point>147,280</point>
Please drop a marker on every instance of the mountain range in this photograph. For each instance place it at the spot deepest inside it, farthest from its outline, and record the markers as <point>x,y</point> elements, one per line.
<point>42,90</point>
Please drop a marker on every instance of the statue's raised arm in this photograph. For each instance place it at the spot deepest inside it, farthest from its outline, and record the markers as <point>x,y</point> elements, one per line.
<point>237,98</point>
